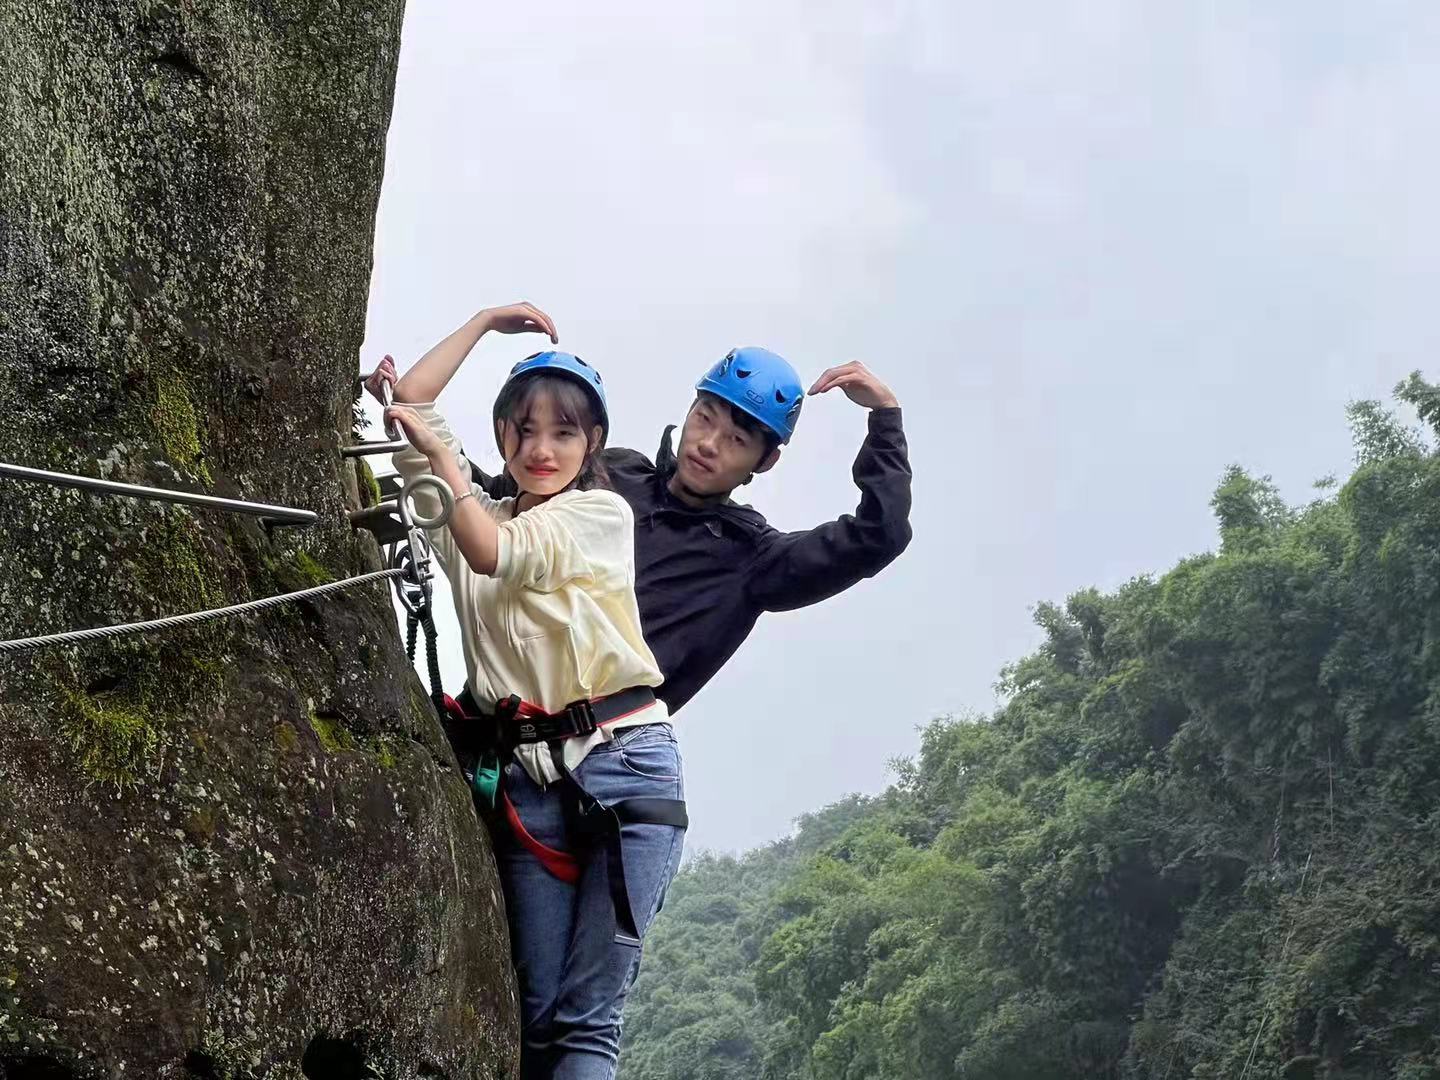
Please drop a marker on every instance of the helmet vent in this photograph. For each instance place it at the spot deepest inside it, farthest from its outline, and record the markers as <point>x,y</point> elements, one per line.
<point>743,373</point>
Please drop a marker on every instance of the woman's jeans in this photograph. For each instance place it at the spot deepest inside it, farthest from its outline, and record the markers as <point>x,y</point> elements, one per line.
<point>573,965</point>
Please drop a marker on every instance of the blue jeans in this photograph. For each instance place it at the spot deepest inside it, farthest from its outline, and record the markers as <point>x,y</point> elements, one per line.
<point>573,966</point>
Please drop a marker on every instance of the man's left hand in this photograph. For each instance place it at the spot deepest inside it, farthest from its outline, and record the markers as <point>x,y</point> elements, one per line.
<point>860,385</point>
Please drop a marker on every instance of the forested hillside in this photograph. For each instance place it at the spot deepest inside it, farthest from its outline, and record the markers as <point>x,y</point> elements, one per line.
<point>1198,839</point>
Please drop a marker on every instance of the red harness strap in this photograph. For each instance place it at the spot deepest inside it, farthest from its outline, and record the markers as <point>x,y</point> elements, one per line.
<point>561,864</point>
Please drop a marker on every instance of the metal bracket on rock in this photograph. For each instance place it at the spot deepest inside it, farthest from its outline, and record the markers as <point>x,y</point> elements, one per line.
<point>274,515</point>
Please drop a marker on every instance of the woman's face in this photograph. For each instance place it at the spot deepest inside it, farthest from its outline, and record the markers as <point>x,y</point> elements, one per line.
<point>543,451</point>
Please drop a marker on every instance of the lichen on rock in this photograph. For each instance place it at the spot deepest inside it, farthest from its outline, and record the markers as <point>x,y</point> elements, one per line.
<point>240,850</point>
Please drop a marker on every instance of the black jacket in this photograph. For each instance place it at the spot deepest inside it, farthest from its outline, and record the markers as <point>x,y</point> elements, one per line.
<point>702,577</point>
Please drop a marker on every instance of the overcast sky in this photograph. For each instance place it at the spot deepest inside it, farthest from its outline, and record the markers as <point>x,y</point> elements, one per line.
<point>1100,249</point>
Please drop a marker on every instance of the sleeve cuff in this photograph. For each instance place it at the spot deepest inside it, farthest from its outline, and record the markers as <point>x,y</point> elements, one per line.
<point>886,421</point>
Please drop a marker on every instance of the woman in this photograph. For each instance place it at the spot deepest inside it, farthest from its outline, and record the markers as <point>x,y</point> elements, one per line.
<point>544,586</point>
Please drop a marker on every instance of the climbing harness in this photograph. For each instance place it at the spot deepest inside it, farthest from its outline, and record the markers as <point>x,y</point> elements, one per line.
<point>590,823</point>
<point>409,554</point>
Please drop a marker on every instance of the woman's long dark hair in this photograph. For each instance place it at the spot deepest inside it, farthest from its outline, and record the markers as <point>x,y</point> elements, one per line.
<point>571,402</point>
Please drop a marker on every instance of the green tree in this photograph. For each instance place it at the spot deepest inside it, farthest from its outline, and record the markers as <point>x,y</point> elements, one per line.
<point>1201,837</point>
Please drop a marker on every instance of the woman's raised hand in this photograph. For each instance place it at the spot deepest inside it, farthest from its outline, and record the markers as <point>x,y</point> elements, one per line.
<point>417,431</point>
<point>521,318</point>
<point>383,374</point>
<point>434,370</point>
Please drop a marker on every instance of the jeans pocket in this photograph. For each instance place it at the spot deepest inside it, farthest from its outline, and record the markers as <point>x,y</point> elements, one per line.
<point>652,754</point>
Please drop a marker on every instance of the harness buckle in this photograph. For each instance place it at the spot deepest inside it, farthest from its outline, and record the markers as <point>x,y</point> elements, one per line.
<point>593,818</point>
<point>580,716</point>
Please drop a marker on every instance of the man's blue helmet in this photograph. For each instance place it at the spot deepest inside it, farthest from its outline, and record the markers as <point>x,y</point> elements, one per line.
<point>568,364</point>
<point>760,383</point>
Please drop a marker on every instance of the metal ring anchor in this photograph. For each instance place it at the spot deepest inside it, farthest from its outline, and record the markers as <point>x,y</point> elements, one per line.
<point>447,501</point>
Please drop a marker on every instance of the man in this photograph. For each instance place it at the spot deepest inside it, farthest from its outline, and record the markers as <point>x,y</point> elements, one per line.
<point>706,566</point>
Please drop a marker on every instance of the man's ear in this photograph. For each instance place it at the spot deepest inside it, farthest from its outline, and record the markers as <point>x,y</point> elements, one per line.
<point>769,461</point>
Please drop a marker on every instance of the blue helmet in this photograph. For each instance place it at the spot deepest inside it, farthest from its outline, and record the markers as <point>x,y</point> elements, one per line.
<point>568,365</point>
<point>760,383</point>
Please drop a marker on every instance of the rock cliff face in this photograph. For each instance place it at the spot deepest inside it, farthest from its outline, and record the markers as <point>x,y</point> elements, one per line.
<point>241,850</point>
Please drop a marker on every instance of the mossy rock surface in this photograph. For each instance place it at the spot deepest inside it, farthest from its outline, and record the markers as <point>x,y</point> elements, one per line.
<point>241,850</point>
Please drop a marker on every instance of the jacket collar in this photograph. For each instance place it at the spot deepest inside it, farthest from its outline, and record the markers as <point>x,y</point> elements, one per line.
<point>665,460</point>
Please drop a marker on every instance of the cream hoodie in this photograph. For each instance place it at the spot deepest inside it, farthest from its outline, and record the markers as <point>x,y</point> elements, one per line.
<point>557,622</point>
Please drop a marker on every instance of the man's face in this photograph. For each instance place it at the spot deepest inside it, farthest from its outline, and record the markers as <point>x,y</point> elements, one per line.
<point>717,455</point>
